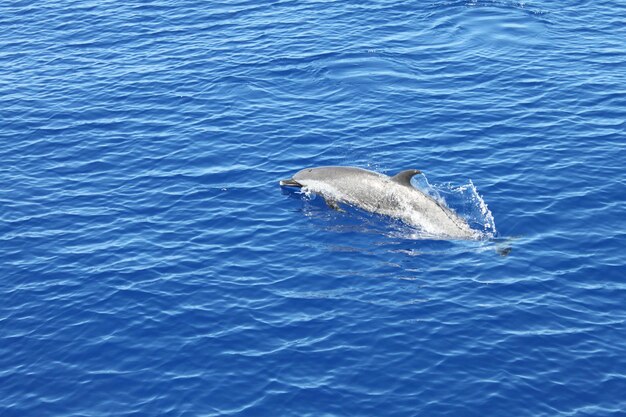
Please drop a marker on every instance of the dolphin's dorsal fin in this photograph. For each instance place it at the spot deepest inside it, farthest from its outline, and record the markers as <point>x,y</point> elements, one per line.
<point>404,177</point>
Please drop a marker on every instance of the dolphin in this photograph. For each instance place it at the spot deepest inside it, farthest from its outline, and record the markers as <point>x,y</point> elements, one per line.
<point>394,197</point>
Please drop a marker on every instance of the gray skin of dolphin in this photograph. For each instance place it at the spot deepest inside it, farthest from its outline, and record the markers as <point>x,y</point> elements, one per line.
<point>378,193</point>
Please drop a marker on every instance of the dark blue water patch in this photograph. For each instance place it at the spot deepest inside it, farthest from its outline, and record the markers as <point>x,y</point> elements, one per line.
<point>152,265</point>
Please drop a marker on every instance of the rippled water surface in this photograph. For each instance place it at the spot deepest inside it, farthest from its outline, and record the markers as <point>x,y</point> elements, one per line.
<point>151,265</point>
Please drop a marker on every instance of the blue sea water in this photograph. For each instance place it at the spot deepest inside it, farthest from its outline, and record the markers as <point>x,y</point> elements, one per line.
<point>151,264</point>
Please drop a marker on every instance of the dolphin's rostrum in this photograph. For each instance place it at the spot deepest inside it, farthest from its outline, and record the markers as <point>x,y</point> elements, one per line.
<point>378,193</point>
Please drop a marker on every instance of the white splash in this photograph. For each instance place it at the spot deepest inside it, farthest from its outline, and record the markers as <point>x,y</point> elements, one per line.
<point>473,208</point>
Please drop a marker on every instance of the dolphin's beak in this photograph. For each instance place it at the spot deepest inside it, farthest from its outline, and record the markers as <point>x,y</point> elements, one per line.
<point>290,183</point>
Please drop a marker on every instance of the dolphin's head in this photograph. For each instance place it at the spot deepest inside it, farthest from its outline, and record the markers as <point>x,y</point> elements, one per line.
<point>308,174</point>
<point>327,175</point>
